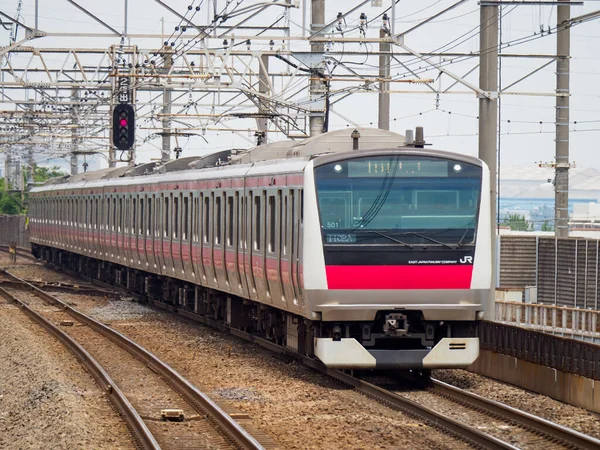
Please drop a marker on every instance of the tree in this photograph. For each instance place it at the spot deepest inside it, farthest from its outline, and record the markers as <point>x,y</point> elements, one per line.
<point>547,226</point>
<point>517,222</point>
<point>41,174</point>
<point>13,203</point>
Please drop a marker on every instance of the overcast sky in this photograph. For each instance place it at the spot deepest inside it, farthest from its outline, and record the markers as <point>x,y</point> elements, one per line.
<point>451,123</point>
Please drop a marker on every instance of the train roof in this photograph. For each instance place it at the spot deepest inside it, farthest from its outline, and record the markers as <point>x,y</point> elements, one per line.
<point>263,157</point>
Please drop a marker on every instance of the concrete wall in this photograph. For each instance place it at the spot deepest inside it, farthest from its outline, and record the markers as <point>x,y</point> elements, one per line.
<point>12,229</point>
<point>565,387</point>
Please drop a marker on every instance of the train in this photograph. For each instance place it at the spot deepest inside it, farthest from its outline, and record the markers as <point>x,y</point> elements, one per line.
<point>353,247</point>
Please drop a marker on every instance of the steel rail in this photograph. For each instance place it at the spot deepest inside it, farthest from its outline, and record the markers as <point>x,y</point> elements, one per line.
<point>394,401</point>
<point>141,434</point>
<point>535,423</point>
<point>219,418</point>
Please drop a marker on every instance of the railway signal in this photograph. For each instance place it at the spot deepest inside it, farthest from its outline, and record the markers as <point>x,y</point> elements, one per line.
<point>123,135</point>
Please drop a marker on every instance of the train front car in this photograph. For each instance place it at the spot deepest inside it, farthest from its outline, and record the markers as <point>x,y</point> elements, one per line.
<point>397,257</point>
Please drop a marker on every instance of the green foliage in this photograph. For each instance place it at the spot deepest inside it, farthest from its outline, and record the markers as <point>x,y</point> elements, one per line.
<point>13,203</point>
<point>547,226</point>
<point>41,174</point>
<point>517,222</point>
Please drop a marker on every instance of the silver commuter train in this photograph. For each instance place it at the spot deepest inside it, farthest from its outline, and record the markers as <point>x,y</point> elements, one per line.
<point>363,252</point>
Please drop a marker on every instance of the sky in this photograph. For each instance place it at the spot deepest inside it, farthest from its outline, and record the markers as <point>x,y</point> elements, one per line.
<point>450,121</point>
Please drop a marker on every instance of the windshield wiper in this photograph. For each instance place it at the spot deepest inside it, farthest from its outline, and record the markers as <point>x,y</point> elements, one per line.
<point>406,244</point>
<point>414,233</point>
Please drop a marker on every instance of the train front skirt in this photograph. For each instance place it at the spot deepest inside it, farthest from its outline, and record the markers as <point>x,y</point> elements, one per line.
<point>348,353</point>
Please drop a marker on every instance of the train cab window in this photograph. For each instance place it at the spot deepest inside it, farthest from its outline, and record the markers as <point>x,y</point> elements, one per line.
<point>272,210</point>
<point>206,223</point>
<point>257,216</point>
<point>229,221</point>
<point>185,218</point>
<point>218,219</point>
<point>166,219</point>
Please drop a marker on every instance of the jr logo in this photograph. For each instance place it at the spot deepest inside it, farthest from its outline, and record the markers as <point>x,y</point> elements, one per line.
<point>466,260</point>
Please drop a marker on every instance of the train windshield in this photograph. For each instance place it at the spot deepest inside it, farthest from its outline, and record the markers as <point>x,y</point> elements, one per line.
<point>398,200</point>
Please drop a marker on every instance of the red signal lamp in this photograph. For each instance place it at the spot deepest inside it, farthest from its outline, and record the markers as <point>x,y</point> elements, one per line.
<point>123,122</point>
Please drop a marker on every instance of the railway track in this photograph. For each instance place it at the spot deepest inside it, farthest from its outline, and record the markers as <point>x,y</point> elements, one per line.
<point>540,432</point>
<point>534,431</point>
<point>139,385</point>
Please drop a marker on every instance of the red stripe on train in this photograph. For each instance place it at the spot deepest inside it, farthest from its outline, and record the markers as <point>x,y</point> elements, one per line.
<point>399,277</point>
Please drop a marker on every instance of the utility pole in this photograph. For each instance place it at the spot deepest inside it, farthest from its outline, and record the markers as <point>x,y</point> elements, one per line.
<point>165,155</point>
<point>263,88</point>
<point>561,178</point>
<point>7,168</point>
<point>317,118</point>
<point>488,113</point>
<point>384,74</point>
<point>74,133</point>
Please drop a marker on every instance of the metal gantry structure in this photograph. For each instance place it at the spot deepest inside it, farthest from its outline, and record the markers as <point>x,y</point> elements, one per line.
<point>265,70</point>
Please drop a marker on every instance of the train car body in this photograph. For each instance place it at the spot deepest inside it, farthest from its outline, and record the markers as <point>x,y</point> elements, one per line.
<point>378,257</point>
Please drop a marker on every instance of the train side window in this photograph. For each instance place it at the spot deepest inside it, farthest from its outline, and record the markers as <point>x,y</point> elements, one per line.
<point>293,221</point>
<point>218,219</point>
<point>301,206</point>
<point>272,210</point>
<point>134,221</point>
<point>229,221</point>
<point>175,217</point>
<point>206,223</point>
<point>141,218</point>
<point>284,235</point>
<point>149,216</point>
<point>186,217</point>
<point>257,221</point>
<point>166,215</point>
<point>157,216</point>
<point>196,219</point>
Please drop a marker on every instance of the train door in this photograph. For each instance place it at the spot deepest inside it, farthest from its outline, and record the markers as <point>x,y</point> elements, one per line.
<point>295,234</point>
<point>273,236</point>
<point>166,236</point>
<point>257,249</point>
<point>207,232</point>
<point>140,229</point>
<point>176,235</point>
<point>159,233</point>
<point>240,239</point>
<point>195,247</point>
<point>149,220</point>
<point>218,242</point>
<point>231,245</point>
<point>285,268</point>
<point>249,230</point>
<point>186,235</point>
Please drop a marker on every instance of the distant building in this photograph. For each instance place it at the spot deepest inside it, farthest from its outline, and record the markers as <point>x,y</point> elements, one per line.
<point>529,191</point>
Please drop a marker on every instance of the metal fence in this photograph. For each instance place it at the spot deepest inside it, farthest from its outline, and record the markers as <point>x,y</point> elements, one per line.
<point>565,271</point>
<point>13,229</point>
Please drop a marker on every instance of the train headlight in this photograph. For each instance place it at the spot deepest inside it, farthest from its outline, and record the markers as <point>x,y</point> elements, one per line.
<point>457,168</point>
<point>337,168</point>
